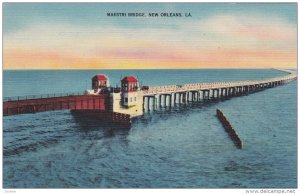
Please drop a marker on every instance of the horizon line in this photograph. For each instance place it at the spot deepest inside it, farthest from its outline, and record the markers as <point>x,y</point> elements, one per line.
<point>9,69</point>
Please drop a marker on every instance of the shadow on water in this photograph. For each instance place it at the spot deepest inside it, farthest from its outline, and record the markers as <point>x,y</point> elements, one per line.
<point>91,125</point>
<point>29,146</point>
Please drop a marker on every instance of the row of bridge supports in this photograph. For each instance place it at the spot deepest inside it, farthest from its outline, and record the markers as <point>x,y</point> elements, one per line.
<point>163,100</point>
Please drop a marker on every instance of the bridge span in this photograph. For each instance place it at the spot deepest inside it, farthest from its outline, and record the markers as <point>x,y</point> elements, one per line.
<point>163,96</point>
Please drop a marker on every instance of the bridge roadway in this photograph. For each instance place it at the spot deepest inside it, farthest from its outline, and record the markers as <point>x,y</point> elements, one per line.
<point>72,102</point>
<point>163,96</point>
<point>80,105</point>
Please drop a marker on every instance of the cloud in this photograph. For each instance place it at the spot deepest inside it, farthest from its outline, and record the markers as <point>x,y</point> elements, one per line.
<point>217,41</point>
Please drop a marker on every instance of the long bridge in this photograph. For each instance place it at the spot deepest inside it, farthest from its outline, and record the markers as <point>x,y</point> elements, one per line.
<point>117,104</point>
<point>162,96</point>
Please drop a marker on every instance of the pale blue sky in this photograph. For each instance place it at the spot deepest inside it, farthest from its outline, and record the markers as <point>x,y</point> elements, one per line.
<point>81,35</point>
<point>17,16</point>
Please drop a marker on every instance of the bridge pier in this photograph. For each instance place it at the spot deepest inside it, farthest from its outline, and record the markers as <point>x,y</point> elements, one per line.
<point>193,98</point>
<point>197,96</point>
<point>222,92</point>
<point>158,101</point>
<point>153,102</point>
<point>182,97</point>
<point>175,96</point>
<point>231,91</point>
<point>252,89</point>
<point>246,89</point>
<point>205,94</point>
<point>257,88</point>
<point>148,103</point>
<point>213,93</point>
<point>179,98</point>
<point>208,94</point>
<point>156,97</point>
<point>202,95</point>
<point>187,96</point>
<point>269,84</point>
<point>239,90</point>
<point>144,97</point>
<point>161,101</point>
<point>168,100</point>
<point>262,86</point>
<point>172,100</point>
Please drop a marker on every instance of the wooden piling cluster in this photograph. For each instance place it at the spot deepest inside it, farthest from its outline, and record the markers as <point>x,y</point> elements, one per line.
<point>229,129</point>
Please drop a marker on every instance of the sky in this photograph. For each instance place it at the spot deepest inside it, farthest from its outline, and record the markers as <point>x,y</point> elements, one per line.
<point>82,36</point>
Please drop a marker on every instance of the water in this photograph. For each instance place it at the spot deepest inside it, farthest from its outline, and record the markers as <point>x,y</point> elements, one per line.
<point>185,147</point>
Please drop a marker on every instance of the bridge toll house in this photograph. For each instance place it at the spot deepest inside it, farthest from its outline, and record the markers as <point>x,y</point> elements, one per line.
<point>129,100</point>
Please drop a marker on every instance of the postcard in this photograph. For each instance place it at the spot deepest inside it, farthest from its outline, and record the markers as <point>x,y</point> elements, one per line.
<point>150,95</point>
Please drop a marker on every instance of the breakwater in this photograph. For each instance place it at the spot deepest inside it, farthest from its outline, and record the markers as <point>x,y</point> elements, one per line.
<point>229,129</point>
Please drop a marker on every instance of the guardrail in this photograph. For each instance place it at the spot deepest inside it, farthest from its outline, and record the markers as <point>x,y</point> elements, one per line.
<point>213,85</point>
<point>28,97</point>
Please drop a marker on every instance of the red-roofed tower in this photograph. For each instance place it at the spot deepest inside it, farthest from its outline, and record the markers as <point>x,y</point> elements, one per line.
<point>99,82</point>
<point>129,88</point>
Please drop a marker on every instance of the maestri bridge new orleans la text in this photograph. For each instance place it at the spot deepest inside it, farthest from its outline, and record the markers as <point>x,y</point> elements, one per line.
<point>153,14</point>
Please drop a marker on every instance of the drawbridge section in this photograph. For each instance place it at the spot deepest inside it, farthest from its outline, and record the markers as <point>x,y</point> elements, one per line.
<point>80,102</point>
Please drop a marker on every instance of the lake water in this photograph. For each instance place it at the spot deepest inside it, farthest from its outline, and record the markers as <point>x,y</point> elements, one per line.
<point>184,147</point>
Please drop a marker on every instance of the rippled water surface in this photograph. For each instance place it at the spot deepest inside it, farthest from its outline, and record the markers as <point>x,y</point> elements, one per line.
<point>182,147</point>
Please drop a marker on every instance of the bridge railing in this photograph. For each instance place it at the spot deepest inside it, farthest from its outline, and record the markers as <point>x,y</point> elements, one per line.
<point>199,86</point>
<point>28,97</point>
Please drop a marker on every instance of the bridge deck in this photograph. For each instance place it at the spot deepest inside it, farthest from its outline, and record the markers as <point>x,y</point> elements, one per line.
<point>82,102</point>
<point>152,91</point>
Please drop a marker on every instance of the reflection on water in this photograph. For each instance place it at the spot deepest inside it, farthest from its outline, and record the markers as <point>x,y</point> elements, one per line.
<point>92,125</point>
